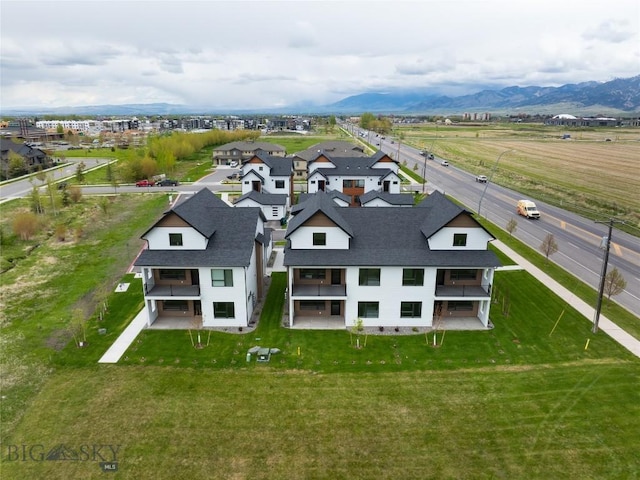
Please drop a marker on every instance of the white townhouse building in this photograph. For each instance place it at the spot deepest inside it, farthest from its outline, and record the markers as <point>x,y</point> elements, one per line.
<point>205,263</point>
<point>392,266</point>
<point>353,176</point>
<point>242,150</point>
<point>266,174</point>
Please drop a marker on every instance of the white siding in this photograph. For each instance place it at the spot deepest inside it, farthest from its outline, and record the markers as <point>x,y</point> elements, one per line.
<point>235,294</point>
<point>158,239</point>
<point>477,239</point>
<point>389,295</point>
<point>303,238</point>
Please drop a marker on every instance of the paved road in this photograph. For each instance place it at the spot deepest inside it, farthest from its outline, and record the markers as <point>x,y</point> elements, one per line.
<point>578,238</point>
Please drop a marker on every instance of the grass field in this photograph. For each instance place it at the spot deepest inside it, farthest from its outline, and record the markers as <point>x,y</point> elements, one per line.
<point>585,174</point>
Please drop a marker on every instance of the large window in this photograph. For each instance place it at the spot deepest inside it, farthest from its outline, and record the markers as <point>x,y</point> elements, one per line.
<point>223,310</point>
<point>460,306</point>
<point>413,276</point>
<point>369,276</point>
<point>368,309</point>
<point>175,305</point>
<point>175,239</point>
<point>459,239</point>
<point>312,305</point>
<point>319,238</point>
<point>410,309</point>
<point>463,274</point>
<point>313,273</point>
<point>279,183</point>
<point>221,277</point>
<point>353,184</point>
<point>172,274</point>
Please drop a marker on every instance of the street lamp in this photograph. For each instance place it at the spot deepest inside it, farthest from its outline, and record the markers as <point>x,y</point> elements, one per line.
<point>493,170</point>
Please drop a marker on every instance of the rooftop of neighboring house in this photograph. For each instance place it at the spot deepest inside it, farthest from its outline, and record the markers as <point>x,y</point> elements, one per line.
<point>264,198</point>
<point>396,199</point>
<point>387,236</point>
<point>279,166</point>
<point>250,146</point>
<point>339,148</point>
<point>230,231</point>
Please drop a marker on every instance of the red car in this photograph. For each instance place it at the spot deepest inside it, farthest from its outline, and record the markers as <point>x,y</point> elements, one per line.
<point>145,183</point>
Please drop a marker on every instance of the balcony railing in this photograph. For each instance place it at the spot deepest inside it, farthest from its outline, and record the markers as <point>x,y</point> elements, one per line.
<point>319,290</point>
<point>463,290</point>
<point>172,291</point>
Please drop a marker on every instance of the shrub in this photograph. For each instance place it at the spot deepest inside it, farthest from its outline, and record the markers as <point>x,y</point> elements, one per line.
<point>25,225</point>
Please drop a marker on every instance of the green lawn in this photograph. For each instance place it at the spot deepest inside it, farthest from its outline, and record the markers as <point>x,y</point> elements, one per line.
<point>537,397</point>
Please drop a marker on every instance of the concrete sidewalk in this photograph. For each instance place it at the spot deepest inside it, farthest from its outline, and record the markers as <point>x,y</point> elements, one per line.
<point>126,338</point>
<point>623,338</point>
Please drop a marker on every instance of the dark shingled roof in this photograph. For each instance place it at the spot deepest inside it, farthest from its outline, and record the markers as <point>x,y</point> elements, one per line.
<point>280,166</point>
<point>390,198</point>
<point>320,202</point>
<point>332,194</point>
<point>390,236</point>
<point>264,198</point>
<point>231,232</point>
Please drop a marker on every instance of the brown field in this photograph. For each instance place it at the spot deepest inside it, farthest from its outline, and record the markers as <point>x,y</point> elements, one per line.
<point>586,174</point>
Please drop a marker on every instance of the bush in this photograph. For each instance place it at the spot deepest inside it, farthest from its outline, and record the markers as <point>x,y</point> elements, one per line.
<point>26,225</point>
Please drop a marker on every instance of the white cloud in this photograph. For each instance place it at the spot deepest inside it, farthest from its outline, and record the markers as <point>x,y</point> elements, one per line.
<point>259,54</point>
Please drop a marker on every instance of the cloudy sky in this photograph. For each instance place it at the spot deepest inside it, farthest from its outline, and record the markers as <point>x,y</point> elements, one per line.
<point>263,54</point>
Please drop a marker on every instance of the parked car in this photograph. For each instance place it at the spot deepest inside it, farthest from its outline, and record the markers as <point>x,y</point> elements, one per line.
<point>145,183</point>
<point>481,178</point>
<point>234,176</point>
<point>430,157</point>
<point>445,163</point>
<point>233,164</point>
<point>167,182</point>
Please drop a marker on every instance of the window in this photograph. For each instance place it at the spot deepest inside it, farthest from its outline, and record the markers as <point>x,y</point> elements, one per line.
<point>369,276</point>
<point>460,306</point>
<point>463,274</point>
<point>175,305</point>
<point>413,276</point>
<point>221,277</point>
<point>410,309</point>
<point>353,183</point>
<point>223,310</point>
<point>459,239</point>
<point>313,273</point>
<point>279,183</point>
<point>312,305</point>
<point>175,239</point>
<point>168,274</point>
<point>319,238</point>
<point>368,309</point>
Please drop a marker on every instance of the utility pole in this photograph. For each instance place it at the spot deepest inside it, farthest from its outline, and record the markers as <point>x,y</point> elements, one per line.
<point>603,273</point>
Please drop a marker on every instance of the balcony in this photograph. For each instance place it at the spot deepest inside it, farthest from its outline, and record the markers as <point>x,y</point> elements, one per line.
<point>319,290</point>
<point>172,291</point>
<point>463,291</point>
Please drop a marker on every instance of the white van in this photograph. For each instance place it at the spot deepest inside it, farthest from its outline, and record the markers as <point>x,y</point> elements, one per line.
<point>528,209</point>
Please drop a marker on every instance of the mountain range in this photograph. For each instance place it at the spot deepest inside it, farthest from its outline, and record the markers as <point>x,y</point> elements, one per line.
<point>618,97</point>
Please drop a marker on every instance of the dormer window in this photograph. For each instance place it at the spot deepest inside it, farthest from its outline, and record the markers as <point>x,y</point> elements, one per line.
<point>319,238</point>
<point>175,239</point>
<point>459,239</point>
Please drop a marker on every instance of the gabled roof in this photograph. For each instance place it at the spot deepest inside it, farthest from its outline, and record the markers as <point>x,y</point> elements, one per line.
<point>336,147</point>
<point>264,198</point>
<point>322,203</point>
<point>250,146</point>
<point>441,212</point>
<point>332,194</point>
<point>390,198</point>
<point>279,166</point>
<point>392,236</point>
<point>231,233</point>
